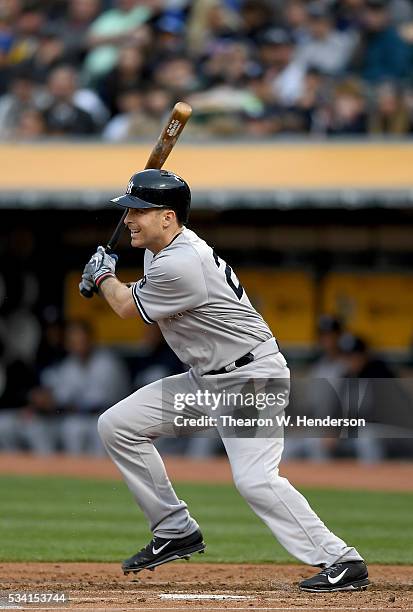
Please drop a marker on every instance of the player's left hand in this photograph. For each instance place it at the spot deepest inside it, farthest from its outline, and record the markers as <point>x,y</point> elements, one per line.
<point>100,266</point>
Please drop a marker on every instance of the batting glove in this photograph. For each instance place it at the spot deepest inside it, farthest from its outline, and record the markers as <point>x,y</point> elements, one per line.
<point>86,286</point>
<point>100,267</point>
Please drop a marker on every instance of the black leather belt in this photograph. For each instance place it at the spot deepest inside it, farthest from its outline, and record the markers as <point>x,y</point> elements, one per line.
<point>242,361</point>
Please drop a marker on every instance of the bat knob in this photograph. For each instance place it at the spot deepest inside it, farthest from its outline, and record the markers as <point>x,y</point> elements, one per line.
<point>86,293</point>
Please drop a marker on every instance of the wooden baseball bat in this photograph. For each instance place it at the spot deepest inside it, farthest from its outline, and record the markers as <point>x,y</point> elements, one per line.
<point>159,154</point>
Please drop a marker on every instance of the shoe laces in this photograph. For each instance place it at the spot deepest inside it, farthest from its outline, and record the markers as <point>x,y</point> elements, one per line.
<point>149,546</point>
<point>329,570</point>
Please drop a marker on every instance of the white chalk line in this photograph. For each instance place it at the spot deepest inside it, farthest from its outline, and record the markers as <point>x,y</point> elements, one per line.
<point>195,596</point>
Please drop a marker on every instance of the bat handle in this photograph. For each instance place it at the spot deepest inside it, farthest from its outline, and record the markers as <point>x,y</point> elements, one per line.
<point>114,239</point>
<point>111,245</point>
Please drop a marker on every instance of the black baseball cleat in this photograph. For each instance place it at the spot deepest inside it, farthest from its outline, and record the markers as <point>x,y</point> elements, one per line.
<point>162,550</point>
<point>346,576</point>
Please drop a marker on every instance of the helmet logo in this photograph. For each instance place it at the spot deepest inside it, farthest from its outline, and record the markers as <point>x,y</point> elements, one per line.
<point>129,187</point>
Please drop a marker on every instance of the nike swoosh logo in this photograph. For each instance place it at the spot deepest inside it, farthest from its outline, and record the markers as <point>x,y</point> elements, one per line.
<point>158,550</point>
<point>337,578</point>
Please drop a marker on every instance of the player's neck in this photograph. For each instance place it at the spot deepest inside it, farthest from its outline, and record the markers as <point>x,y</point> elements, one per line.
<point>165,240</point>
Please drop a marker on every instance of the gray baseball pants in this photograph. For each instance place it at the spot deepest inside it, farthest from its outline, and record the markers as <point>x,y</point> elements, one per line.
<point>128,429</point>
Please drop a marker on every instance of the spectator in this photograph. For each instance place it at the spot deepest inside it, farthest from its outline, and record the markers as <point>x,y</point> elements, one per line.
<point>111,30</point>
<point>73,27</point>
<point>348,14</point>
<point>390,114</point>
<point>358,361</point>
<point>226,92</point>
<point>295,20</point>
<point>83,385</point>
<point>27,24</point>
<point>260,86</point>
<point>63,87</point>
<point>281,88</point>
<point>177,75</point>
<point>329,364</point>
<point>228,63</point>
<point>329,367</point>
<point>320,394</point>
<point>49,54</point>
<point>327,49</point>
<point>347,114</point>
<point>141,114</point>
<point>209,22</point>
<point>37,422</point>
<point>370,399</point>
<point>23,95</point>
<point>276,54</point>
<point>256,17</point>
<point>313,97</point>
<point>131,121</point>
<point>158,102</point>
<point>169,37</point>
<point>31,125</point>
<point>128,74</point>
<point>382,54</point>
<point>63,113</point>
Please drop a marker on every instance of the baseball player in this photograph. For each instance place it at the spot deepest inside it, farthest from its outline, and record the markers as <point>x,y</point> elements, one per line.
<point>208,320</point>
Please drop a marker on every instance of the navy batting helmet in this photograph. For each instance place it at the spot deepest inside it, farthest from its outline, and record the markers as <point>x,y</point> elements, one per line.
<point>157,189</point>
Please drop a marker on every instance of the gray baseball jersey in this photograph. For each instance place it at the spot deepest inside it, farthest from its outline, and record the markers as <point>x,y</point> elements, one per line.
<point>199,304</point>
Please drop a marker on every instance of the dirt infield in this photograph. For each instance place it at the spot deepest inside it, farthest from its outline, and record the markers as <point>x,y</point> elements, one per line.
<point>387,476</point>
<point>103,587</point>
<point>92,586</point>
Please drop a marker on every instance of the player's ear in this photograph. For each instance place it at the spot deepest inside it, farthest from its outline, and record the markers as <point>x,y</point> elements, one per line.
<point>168,217</point>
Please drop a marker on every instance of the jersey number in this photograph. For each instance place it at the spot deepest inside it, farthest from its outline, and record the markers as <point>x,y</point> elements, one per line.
<point>238,290</point>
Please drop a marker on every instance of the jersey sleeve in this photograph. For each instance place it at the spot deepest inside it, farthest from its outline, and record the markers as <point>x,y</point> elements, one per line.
<point>170,286</point>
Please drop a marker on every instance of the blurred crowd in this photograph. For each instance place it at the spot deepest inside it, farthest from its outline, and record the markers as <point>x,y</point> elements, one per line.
<point>112,69</point>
